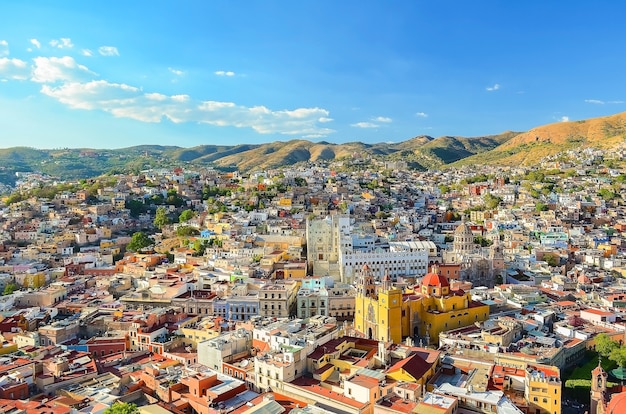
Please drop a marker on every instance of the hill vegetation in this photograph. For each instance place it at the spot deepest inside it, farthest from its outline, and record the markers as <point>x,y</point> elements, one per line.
<point>529,147</point>
<point>421,152</point>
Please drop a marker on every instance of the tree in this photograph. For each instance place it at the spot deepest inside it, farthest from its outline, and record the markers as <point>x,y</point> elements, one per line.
<point>618,355</point>
<point>605,345</point>
<point>9,288</point>
<point>138,241</point>
<point>300,182</point>
<point>491,201</point>
<point>186,215</point>
<point>552,259</point>
<point>122,408</point>
<point>161,218</point>
<point>136,207</point>
<point>199,247</point>
<point>185,231</point>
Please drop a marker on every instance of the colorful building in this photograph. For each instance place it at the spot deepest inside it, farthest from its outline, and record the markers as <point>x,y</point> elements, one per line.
<point>387,313</point>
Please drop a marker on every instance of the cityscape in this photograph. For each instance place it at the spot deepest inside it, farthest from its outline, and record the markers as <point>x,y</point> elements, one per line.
<point>312,207</point>
<point>349,286</point>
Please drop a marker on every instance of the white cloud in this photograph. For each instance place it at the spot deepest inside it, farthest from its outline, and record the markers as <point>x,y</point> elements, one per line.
<point>35,43</point>
<point>176,72</point>
<point>495,87</point>
<point>62,43</point>
<point>125,101</point>
<point>86,52</point>
<point>14,69</point>
<point>179,98</point>
<point>364,125</point>
<point>54,69</point>
<point>383,119</point>
<point>421,114</point>
<point>599,102</point>
<point>4,48</point>
<point>108,51</point>
<point>564,118</point>
<point>156,96</point>
<point>325,119</point>
<point>224,73</point>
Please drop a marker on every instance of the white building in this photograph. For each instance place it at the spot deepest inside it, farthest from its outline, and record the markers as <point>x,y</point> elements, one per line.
<point>335,251</point>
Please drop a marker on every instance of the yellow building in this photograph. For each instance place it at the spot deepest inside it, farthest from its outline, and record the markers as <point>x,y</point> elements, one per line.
<point>194,335</point>
<point>8,348</point>
<point>386,313</point>
<point>34,280</point>
<point>284,202</point>
<point>543,389</point>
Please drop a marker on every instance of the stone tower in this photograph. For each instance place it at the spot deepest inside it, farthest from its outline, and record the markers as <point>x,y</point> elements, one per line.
<point>598,389</point>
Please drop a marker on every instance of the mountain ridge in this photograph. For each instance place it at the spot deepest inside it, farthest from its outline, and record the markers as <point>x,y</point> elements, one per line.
<point>420,152</point>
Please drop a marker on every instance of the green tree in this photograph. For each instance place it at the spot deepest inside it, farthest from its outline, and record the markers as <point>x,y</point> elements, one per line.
<point>199,247</point>
<point>607,194</point>
<point>185,231</point>
<point>9,288</point>
<point>136,207</point>
<point>300,182</point>
<point>482,241</point>
<point>491,201</point>
<point>552,259</point>
<point>605,345</point>
<point>122,408</point>
<point>618,355</point>
<point>161,218</point>
<point>138,241</point>
<point>186,215</point>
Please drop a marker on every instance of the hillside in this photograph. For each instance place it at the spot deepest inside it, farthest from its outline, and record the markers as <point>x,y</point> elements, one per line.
<point>420,152</point>
<point>529,147</point>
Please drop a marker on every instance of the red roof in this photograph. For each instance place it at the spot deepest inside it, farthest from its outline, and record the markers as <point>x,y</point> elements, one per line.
<point>617,404</point>
<point>413,365</point>
<point>435,280</point>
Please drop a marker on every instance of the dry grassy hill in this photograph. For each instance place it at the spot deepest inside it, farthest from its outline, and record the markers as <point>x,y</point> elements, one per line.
<point>529,147</point>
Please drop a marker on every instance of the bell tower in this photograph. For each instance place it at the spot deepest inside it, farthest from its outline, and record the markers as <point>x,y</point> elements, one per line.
<point>598,389</point>
<point>365,282</point>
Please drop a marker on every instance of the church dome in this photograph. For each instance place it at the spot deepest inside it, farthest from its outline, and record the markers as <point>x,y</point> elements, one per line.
<point>463,229</point>
<point>435,284</point>
<point>617,403</point>
<point>435,280</point>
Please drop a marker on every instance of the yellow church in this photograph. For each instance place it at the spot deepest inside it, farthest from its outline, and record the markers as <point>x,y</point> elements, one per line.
<point>387,313</point>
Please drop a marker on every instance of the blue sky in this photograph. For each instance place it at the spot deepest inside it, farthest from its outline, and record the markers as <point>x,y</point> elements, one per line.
<point>121,73</point>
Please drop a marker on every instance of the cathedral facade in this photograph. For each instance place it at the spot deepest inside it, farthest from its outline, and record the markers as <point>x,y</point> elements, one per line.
<point>480,266</point>
<point>387,313</point>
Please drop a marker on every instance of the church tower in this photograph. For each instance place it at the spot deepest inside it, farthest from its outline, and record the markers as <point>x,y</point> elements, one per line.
<point>496,257</point>
<point>598,389</point>
<point>389,312</point>
<point>463,243</point>
<point>365,282</point>
<point>366,304</point>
